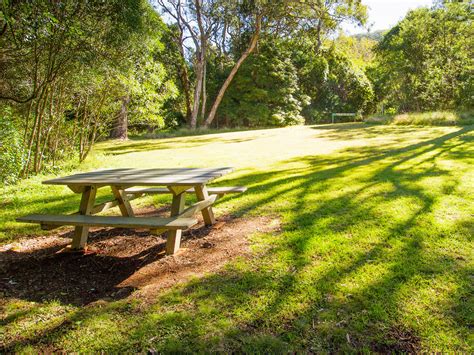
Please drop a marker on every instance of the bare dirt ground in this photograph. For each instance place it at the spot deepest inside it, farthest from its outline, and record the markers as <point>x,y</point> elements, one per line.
<point>120,261</point>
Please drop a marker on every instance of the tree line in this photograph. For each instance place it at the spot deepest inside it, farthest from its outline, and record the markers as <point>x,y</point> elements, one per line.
<point>74,72</point>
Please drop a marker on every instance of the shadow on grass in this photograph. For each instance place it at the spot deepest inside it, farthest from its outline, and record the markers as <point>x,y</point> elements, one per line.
<point>137,146</point>
<point>353,270</point>
<point>351,131</point>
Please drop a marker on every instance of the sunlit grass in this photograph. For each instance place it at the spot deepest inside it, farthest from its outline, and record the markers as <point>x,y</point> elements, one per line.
<point>376,247</point>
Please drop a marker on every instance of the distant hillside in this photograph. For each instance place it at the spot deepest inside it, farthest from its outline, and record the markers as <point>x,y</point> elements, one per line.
<point>376,35</point>
<point>359,47</point>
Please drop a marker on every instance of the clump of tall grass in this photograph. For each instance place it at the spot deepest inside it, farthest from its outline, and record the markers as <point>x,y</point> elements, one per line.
<point>434,118</point>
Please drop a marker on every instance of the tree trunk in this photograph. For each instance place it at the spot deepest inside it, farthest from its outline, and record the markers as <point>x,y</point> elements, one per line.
<point>120,128</point>
<point>200,64</point>
<point>39,133</point>
<point>184,77</point>
<point>187,96</point>
<point>204,92</point>
<point>248,51</point>
<point>197,93</point>
<point>318,37</point>
<point>31,139</point>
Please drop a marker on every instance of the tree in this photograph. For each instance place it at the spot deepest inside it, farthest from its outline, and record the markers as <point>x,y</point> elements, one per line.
<point>359,49</point>
<point>423,63</point>
<point>235,68</point>
<point>144,81</point>
<point>284,18</point>
<point>265,91</point>
<point>331,80</point>
<point>193,21</point>
<point>233,28</point>
<point>64,67</point>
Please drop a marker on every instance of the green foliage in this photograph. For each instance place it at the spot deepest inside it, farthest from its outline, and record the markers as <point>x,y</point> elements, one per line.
<point>70,65</point>
<point>11,149</point>
<point>287,80</point>
<point>332,81</point>
<point>426,61</point>
<point>173,110</point>
<point>147,80</point>
<point>265,91</point>
<point>349,88</point>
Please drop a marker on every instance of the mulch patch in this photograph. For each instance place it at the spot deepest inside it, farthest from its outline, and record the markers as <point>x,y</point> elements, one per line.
<point>399,340</point>
<point>119,261</point>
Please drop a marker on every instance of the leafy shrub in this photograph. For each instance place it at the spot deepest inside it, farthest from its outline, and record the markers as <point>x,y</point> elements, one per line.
<point>11,150</point>
<point>391,111</point>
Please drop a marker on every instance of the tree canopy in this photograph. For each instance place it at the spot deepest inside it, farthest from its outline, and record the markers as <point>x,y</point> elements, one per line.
<point>425,62</point>
<point>75,72</point>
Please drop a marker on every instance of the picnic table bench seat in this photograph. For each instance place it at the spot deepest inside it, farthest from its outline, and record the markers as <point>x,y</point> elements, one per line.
<point>220,191</point>
<point>172,223</point>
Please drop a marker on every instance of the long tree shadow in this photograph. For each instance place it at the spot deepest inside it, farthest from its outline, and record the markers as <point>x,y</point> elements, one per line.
<point>335,280</point>
<point>159,144</point>
<point>406,262</point>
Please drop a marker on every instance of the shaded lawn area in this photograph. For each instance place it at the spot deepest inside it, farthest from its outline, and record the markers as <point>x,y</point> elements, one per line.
<point>375,251</point>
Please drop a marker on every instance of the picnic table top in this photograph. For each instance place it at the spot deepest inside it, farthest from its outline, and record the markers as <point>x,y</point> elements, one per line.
<point>142,177</point>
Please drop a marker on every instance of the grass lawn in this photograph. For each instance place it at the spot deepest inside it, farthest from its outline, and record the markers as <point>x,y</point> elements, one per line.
<point>375,251</point>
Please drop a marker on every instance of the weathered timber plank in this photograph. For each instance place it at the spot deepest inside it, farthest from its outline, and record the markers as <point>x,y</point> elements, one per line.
<point>173,240</point>
<point>198,206</point>
<point>176,190</point>
<point>180,176</point>
<point>139,181</point>
<point>123,203</point>
<point>171,223</point>
<point>207,213</point>
<point>219,190</point>
<point>101,207</point>
<point>85,208</point>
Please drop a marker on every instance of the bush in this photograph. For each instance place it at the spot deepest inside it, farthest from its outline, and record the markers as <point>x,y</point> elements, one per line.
<point>11,150</point>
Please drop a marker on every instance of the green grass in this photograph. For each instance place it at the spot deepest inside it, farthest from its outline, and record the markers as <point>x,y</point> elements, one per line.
<point>435,118</point>
<point>186,132</point>
<point>376,251</point>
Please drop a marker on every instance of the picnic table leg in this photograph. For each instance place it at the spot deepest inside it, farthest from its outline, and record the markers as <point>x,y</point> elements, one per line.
<point>123,202</point>
<point>207,213</point>
<point>87,203</point>
<point>173,240</point>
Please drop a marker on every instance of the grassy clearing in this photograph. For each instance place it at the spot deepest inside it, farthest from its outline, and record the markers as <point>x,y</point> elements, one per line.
<point>376,251</point>
<point>436,118</point>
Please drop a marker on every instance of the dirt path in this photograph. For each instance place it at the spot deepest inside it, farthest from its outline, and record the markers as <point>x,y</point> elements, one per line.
<point>120,261</point>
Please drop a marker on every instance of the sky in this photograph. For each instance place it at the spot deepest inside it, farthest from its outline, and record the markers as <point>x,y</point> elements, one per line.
<point>384,14</point>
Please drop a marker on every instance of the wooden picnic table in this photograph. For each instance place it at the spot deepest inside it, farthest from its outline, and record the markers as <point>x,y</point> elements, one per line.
<point>124,182</point>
